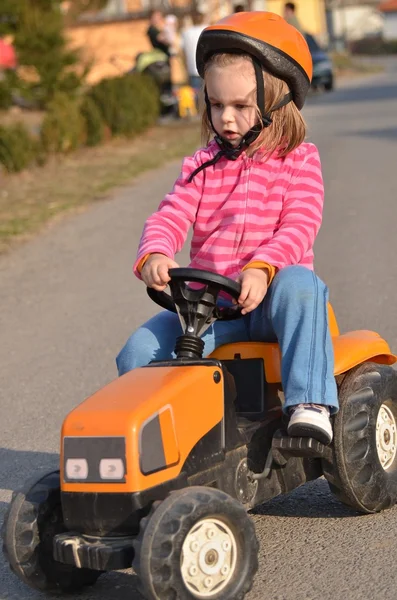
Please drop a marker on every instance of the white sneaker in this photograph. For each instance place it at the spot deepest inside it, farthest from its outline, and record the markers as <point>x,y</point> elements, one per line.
<point>310,420</point>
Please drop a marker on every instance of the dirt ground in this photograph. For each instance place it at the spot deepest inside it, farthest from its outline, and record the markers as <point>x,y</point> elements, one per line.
<point>37,196</point>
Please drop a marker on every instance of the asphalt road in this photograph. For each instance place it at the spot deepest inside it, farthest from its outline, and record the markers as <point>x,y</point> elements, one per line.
<point>68,301</point>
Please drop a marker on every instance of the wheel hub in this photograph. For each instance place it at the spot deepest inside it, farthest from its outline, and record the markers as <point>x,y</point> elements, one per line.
<point>386,437</point>
<point>208,558</point>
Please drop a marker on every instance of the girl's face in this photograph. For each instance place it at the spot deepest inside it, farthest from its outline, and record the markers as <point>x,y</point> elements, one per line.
<point>231,91</point>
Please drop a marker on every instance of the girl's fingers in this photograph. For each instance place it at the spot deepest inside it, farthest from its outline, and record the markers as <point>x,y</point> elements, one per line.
<point>245,290</point>
<point>151,276</point>
<point>162,273</point>
<point>159,288</point>
<point>250,307</point>
<point>253,300</point>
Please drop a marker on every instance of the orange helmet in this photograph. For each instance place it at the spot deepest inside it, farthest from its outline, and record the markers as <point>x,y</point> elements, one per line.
<point>279,47</point>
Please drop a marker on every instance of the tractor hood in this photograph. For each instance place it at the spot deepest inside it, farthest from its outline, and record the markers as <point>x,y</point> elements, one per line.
<point>137,431</point>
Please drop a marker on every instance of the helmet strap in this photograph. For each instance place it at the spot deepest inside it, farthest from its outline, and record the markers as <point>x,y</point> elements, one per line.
<point>226,148</point>
<point>266,119</point>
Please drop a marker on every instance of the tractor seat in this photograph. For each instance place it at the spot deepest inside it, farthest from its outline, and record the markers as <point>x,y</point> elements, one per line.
<point>350,349</point>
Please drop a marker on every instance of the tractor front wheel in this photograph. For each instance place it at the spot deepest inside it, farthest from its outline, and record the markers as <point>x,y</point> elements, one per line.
<point>34,517</point>
<point>198,543</point>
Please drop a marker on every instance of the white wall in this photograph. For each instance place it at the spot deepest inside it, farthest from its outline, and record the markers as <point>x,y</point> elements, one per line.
<point>390,31</point>
<point>223,8</point>
<point>357,22</point>
<point>258,5</point>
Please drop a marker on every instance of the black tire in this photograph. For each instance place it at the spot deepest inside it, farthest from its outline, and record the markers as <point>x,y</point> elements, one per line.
<point>33,518</point>
<point>329,85</point>
<point>159,547</point>
<point>355,473</point>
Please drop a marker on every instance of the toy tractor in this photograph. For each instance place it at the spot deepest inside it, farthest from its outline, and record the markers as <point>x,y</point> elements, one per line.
<point>159,468</point>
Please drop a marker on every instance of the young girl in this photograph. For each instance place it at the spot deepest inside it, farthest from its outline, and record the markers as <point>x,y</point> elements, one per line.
<point>254,196</point>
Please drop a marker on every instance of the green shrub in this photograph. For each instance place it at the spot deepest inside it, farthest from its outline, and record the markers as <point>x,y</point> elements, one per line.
<point>17,147</point>
<point>128,104</point>
<point>147,96</point>
<point>5,95</point>
<point>63,126</point>
<point>94,125</point>
<point>41,43</point>
<point>373,46</point>
<point>391,47</point>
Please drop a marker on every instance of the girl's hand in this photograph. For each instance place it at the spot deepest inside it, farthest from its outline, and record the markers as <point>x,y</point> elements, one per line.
<point>155,271</point>
<point>254,284</point>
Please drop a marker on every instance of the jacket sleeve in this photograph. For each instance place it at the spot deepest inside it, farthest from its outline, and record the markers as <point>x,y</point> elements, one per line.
<point>262,265</point>
<point>300,218</point>
<point>165,231</point>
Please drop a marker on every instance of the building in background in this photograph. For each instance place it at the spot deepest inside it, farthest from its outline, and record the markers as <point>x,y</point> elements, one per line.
<point>111,38</point>
<point>310,13</point>
<point>335,23</point>
<point>389,11</point>
<point>352,20</point>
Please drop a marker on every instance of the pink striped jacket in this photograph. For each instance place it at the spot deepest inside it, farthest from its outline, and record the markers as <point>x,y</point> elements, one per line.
<point>241,211</point>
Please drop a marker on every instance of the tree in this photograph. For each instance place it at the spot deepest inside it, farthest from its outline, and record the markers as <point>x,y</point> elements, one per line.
<point>41,46</point>
<point>8,17</point>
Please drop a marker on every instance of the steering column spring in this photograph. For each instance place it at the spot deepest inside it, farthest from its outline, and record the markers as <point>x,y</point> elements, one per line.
<point>189,346</point>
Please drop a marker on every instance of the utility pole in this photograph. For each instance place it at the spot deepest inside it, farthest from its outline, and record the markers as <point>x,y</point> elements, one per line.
<point>329,7</point>
<point>344,23</point>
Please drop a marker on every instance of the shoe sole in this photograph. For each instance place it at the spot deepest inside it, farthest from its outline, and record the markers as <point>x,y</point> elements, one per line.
<point>307,430</point>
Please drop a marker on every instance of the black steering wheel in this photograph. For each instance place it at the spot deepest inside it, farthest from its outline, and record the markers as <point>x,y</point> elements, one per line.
<point>198,308</point>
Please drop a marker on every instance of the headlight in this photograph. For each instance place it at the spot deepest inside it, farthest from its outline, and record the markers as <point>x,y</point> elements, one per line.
<point>76,468</point>
<point>111,468</point>
<point>104,459</point>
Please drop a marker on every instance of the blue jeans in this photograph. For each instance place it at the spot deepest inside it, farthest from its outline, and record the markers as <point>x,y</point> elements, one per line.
<point>293,312</point>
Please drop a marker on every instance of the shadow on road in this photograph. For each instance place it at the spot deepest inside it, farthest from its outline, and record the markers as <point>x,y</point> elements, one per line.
<point>313,500</point>
<point>357,94</point>
<point>116,586</point>
<point>3,509</point>
<point>18,466</point>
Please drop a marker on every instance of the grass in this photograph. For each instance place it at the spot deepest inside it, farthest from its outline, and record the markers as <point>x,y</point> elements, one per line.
<point>30,200</point>
<point>33,198</point>
<point>347,65</point>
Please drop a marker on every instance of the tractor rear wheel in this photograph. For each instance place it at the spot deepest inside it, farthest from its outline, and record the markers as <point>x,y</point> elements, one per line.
<point>362,472</point>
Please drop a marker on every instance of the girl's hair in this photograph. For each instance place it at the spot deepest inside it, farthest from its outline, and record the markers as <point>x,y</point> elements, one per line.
<point>288,129</point>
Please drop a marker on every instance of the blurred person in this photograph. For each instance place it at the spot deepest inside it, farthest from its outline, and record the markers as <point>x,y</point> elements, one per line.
<point>170,33</point>
<point>290,16</point>
<point>254,196</point>
<point>156,34</point>
<point>189,38</point>
<point>156,64</point>
<point>160,41</point>
<point>186,102</point>
<point>8,57</point>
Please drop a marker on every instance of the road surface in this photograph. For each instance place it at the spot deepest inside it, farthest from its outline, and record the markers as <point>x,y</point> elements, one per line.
<point>69,300</point>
